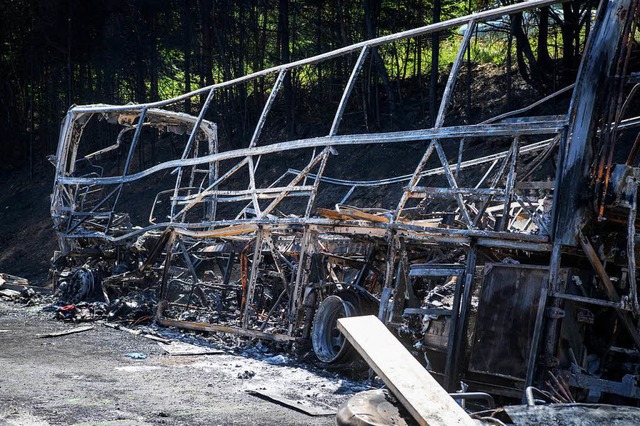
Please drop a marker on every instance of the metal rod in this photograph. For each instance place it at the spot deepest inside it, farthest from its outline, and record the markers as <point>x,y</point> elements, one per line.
<point>267,108</point>
<point>208,191</point>
<point>347,91</point>
<point>316,182</point>
<point>453,75</point>
<point>293,182</point>
<point>449,369</point>
<point>252,186</point>
<point>127,164</point>
<point>453,184</point>
<point>631,246</point>
<point>452,132</point>
<point>494,182</point>
<point>493,159</point>
<point>510,184</point>
<point>535,339</point>
<point>588,300</point>
<point>257,259</point>
<point>460,331</point>
<point>187,149</point>
<point>415,179</point>
<point>608,286</point>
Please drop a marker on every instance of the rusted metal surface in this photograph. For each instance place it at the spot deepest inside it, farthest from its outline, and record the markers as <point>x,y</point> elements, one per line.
<point>593,89</point>
<point>231,245</point>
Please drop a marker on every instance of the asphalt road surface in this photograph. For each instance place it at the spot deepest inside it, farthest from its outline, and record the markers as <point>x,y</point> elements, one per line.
<point>87,379</point>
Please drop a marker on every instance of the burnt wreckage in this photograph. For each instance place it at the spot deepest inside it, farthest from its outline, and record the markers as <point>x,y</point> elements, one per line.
<point>508,269</point>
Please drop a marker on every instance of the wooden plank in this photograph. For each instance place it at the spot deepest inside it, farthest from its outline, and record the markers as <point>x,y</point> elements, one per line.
<point>332,214</point>
<point>299,405</point>
<point>428,223</point>
<point>66,332</point>
<point>360,215</point>
<point>228,231</point>
<point>197,326</point>
<point>411,383</point>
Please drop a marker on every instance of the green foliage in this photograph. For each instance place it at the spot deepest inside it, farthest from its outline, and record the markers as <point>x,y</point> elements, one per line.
<point>56,53</point>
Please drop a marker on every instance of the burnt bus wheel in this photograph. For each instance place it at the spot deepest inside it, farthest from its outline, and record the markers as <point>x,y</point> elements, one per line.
<point>328,342</point>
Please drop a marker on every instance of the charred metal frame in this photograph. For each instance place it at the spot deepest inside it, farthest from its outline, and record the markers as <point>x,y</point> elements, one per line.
<point>495,212</point>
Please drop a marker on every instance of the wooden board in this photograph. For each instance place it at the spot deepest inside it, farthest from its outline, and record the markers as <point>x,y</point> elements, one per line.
<point>411,383</point>
<point>227,231</point>
<point>332,214</point>
<point>360,215</point>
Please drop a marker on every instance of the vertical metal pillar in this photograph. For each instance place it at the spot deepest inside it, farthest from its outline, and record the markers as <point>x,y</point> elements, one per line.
<point>457,328</point>
<point>253,278</point>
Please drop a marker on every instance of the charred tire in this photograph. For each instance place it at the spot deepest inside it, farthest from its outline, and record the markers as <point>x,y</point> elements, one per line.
<point>329,344</point>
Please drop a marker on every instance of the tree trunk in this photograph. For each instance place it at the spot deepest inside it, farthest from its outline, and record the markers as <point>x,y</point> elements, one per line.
<point>371,9</point>
<point>569,39</point>
<point>283,31</point>
<point>435,63</point>
<point>543,36</point>
<point>206,59</point>
<point>69,69</point>
<point>527,63</point>
<point>153,60</point>
<point>187,34</point>
<point>509,46</point>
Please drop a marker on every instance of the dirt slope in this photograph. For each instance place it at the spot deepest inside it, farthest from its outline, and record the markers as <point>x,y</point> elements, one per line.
<point>27,240</point>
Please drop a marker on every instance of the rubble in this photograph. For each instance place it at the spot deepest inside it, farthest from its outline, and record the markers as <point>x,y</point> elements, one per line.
<point>18,289</point>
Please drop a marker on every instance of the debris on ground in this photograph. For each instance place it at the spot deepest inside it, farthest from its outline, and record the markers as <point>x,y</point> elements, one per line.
<point>247,374</point>
<point>10,294</point>
<point>67,332</point>
<point>186,349</point>
<point>312,408</point>
<point>138,332</point>
<point>18,289</point>
<point>136,355</point>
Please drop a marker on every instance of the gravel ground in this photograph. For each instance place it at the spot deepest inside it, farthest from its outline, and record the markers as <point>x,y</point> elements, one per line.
<point>87,379</point>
